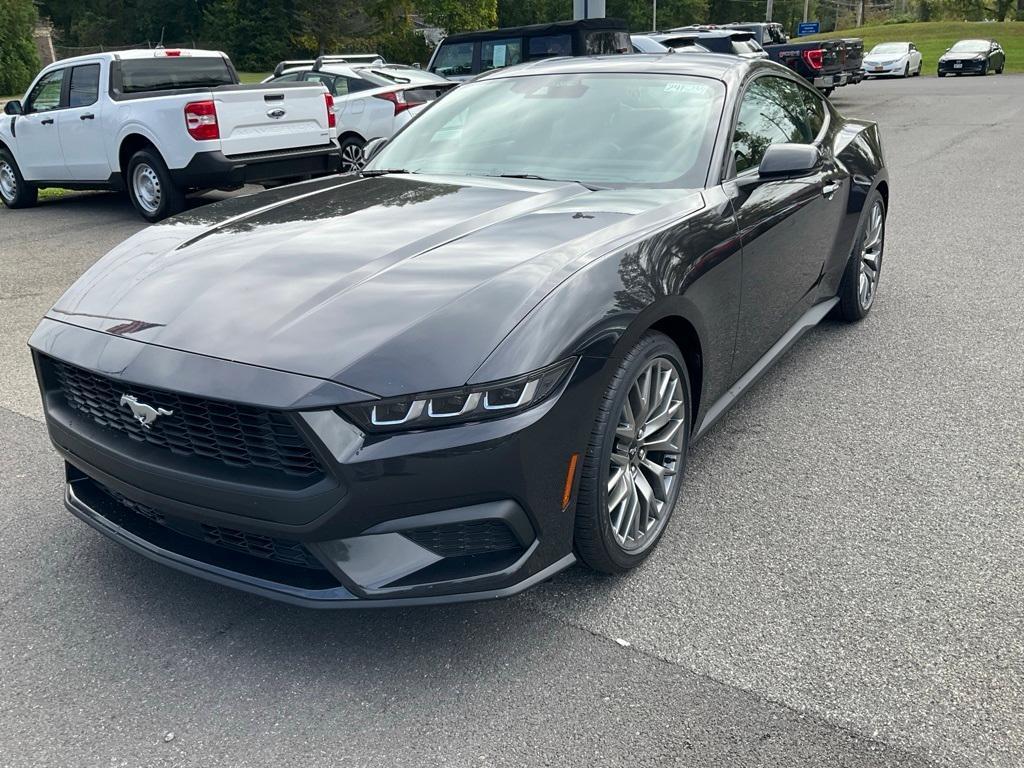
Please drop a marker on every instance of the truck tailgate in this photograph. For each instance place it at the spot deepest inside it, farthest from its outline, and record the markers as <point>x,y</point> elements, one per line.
<point>269,117</point>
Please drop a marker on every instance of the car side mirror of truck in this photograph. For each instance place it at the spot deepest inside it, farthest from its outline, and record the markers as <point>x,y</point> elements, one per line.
<point>783,161</point>
<point>13,107</point>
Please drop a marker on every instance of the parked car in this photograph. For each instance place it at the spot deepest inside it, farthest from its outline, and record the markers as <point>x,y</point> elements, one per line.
<point>371,100</point>
<point>893,59</point>
<point>451,377</point>
<point>972,56</point>
<point>160,123</point>
<point>731,41</point>
<point>463,56</point>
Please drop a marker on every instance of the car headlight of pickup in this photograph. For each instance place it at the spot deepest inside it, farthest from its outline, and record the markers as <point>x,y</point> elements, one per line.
<point>478,402</point>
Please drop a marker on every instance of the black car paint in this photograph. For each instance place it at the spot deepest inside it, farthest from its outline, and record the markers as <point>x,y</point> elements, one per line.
<point>972,63</point>
<point>340,290</point>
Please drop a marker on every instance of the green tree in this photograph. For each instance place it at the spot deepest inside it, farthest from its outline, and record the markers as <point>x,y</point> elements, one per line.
<point>459,15</point>
<point>18,59</point>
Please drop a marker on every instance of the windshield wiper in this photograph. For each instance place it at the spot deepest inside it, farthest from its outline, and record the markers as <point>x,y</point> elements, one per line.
<point>535,177</point>
<point>383,172</point>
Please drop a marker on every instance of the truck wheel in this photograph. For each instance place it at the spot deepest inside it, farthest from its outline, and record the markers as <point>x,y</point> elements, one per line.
<point>827,91</point>
<point>14,190</point>
<point>150,187</point>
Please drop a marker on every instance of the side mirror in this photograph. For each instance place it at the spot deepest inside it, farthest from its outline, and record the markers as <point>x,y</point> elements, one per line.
<point>372,148</point>
<point>13,108</point>
<point>782,161</point>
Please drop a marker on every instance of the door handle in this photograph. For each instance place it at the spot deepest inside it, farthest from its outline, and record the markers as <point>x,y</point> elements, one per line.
<point>46,121</point>
<point>89,116</point>
<point>830,189</point>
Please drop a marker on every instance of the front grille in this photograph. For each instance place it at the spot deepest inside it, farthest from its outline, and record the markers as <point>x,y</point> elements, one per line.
<point>237,435</point>
<point>257,545</point>
<point>475,537</point>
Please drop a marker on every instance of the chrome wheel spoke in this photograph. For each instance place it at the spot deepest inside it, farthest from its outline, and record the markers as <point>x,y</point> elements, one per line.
<point>871,256</point>
<point>648,442</point>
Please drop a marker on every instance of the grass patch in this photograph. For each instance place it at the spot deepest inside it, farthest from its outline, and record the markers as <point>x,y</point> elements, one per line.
<point>934,37</point>
<point>52,193</point>
<point>252,77</point>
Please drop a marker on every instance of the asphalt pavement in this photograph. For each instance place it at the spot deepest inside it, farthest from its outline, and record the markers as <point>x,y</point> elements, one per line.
<point>840,586</point>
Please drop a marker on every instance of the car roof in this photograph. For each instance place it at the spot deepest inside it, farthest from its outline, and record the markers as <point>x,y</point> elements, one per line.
<point>682,34</point>
<point>555,27</point>
<point>720,66</point>
<point>139,53</point>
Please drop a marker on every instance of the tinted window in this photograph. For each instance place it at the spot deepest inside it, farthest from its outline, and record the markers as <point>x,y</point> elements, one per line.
<point>495,54</point>
<point>454,59</point>
<point>970,46</point>
<point>171,72</point>
<point>85,85</point>
<point>774,111</point>
<point>549,45</point>
<point>330,82</point>
<point>46,95</point>
<point>607,42</point>
<point>287,78</point>
<point>600,128</point>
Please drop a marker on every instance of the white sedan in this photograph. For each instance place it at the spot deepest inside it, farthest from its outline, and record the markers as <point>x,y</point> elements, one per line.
<point>370,100</point>
<point>892,60</point>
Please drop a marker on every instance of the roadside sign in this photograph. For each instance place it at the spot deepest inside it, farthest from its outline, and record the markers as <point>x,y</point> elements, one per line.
<point>808,28</point>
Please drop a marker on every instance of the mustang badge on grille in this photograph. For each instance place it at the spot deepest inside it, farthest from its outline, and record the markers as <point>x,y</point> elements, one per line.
<point>144,414</point>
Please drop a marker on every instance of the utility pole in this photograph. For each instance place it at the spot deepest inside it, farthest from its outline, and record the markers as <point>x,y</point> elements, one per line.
<point>806,4</point>
<point>860,13</point>
<point>768,11</point>
<point>654,17</point>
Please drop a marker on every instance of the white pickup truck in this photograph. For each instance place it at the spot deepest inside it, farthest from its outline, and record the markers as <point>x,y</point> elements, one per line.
<point>160,123</point>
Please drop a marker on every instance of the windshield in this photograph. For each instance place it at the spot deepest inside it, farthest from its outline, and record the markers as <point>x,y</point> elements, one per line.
<point>171,72</point>
<point>890,48</point>
<point>602,129</point>
<point>971,46</point>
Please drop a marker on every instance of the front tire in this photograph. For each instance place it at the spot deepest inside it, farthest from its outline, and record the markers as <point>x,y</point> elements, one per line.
<point>14,190</point>
<point>151,188</point>
<point>859,285</point>
<point>634,463</point>
<point>906,70</point>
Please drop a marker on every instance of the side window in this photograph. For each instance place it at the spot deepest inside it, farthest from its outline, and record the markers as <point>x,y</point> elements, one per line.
<point>606,42</point>
<point>318,77</point>
<point>774,110</point>
<point>549,45</point>
<point>495,54</point>
<point>289,78</point>
<point>46,94</point>
<point>814,111</point>
<point>85,85</point>
<point>354,85</point>
<point>454,59</point>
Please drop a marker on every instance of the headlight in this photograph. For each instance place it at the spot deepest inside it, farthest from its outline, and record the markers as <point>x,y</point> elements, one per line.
<point>457,406</point>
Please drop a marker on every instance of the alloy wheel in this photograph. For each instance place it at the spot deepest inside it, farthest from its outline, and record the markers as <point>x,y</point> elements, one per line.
<point>646,455</point>
<point>871,256</point>
<point>8,181</point>
<point>351,158</point>
<point>146,186</point>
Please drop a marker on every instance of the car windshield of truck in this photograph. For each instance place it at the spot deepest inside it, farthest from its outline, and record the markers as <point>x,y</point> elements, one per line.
<point>745,45</point>
<point>454,60</point>
<point>890,48</point>
<point>971,46</point>
<point>600,129</point>
<point>173,72</point>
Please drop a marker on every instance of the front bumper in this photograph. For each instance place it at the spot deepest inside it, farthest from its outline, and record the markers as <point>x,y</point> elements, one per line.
<point>968,66</point>
<point>216,170</point>
<point>466,512</point>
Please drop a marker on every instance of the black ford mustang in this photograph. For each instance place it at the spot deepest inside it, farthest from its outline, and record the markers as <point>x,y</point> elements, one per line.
<point>484,357</point>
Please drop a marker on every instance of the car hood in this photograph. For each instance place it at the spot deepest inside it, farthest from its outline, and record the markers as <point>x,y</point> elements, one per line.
<point>390,285</point>
<point>961,56</point>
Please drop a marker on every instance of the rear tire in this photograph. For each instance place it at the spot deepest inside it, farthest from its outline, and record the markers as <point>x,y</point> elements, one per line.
<point>151,188</point>
<point>643,444</point>
<point>859,285</point>
<point>351,151</point>
<point>14,190</point>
